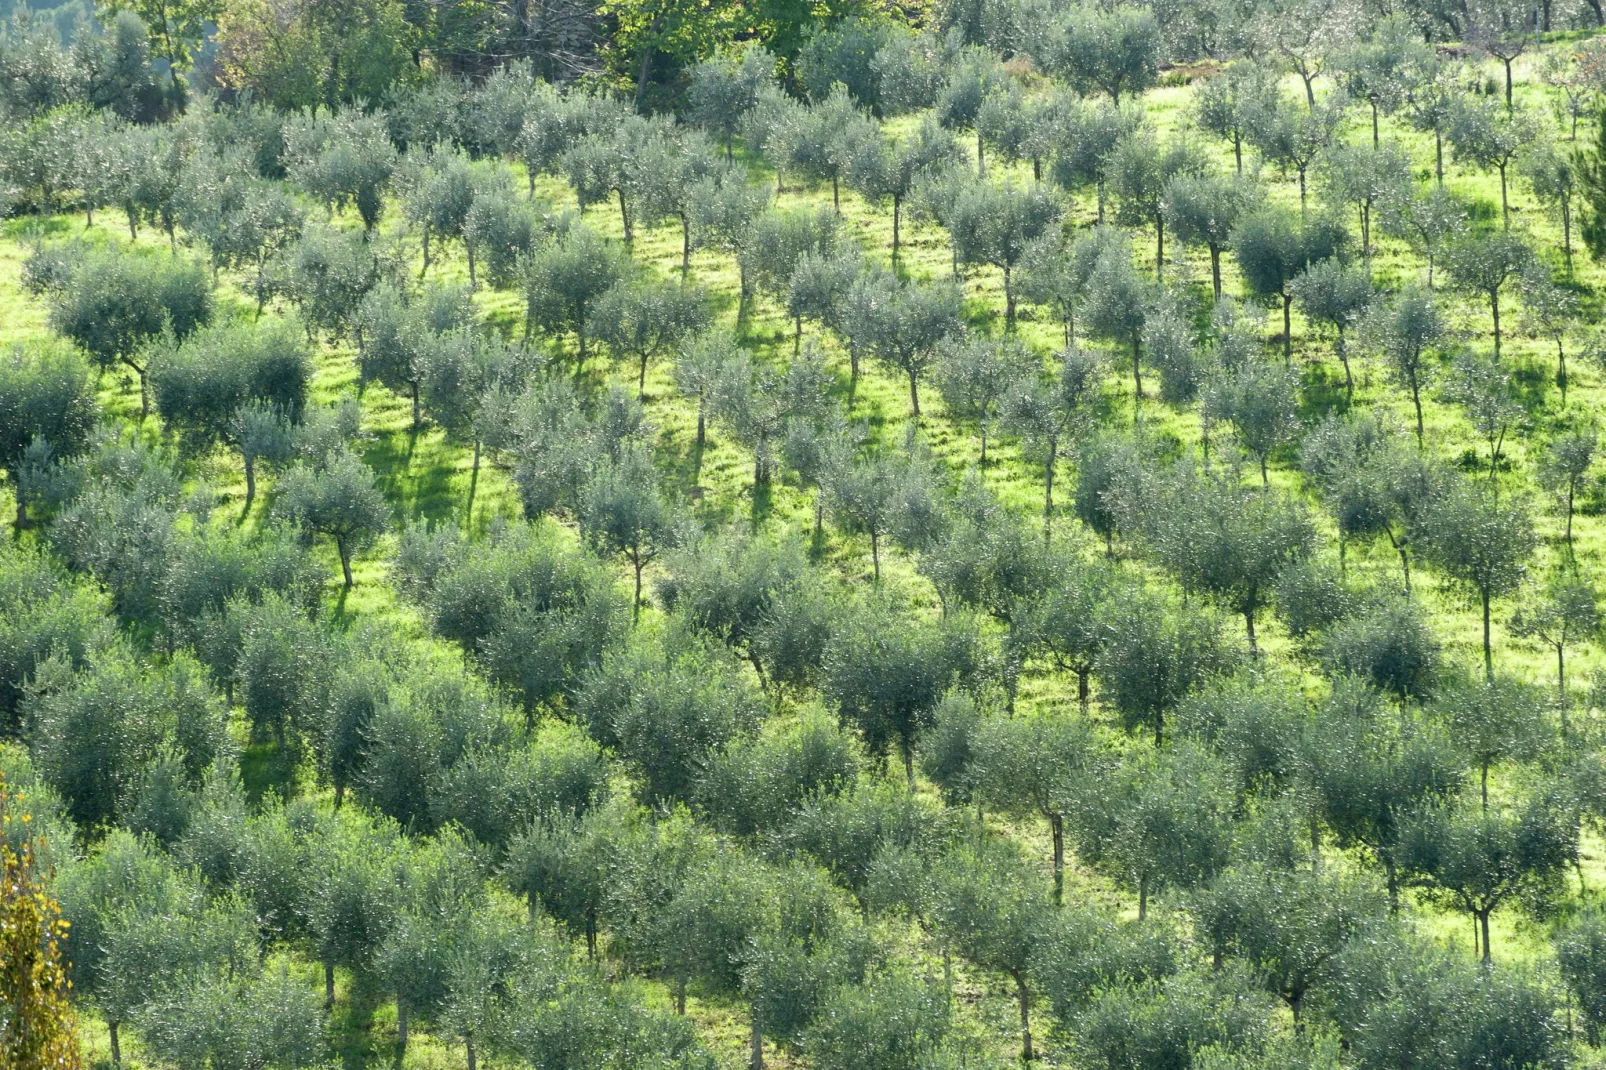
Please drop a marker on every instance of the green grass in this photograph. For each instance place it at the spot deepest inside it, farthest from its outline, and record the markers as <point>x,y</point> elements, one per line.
<point>425,477</point>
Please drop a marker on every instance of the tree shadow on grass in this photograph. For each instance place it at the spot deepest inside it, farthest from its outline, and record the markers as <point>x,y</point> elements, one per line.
<point>267,768</point>
<point>1531,384</point>
<point>763,503</point>
<point>351,1025</point>
<point>422,491</point>
<point>1321,390</point>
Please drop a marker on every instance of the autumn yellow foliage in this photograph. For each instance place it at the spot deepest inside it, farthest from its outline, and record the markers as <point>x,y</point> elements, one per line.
<point>40,1030</point>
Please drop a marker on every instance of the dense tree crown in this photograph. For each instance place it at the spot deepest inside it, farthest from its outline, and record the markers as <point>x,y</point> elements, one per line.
<point>616,534</point>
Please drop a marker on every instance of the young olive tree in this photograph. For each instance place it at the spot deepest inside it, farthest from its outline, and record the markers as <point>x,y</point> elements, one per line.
<point>1564,470</point>
<point>1334,294</point>
<point>1291,926</point>
<point>1427,221</point>
<point>725,87</point>
<point>1273,249</point>
<point>1482,264</point>
<point>1565,613</point>
<point>1356,177</point>
<point>343,158</point>
<point>1492,722</point>
<point>1048,416</point>
<point>1226,106</point>
<point>564,279</point>
<point>1555,178</point>
<point>1488,138</point>
<point>1550,311</point>
<point>1115,306</point>
<point>1112,51</point>
<point>1260,402</point>
<point>986,909</point>
<point>882,170</point>
<point>437,187</point>
<point>1154,654</point>
<point>1229,541</point>
<point>623,511</point>
<point>974,374</point>
<point>1384,69</point>
<point>1479,860</point>
<point>886,674</point>
<point>643,320</point>
<point>1203,209</point>
<point>1405,329</point>
<point>905,326</point>
<point>996,225</point>
<point>1482,387</point>
<point>1033,766</point>
<point>1138,172</point>
<point>1482,542</point>
<point>338,499</point>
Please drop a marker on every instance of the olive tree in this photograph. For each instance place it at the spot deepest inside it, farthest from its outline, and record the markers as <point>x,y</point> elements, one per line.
<point>1260,401</point>
<point>209,389</point>
<point>1115,52</point>
<point>1492,721</point>
<point>113,305</point>
<point>623,511</point>
<point>1479,860</point>
<point>1482,542</point>
<point>1154,655</point>
<point>563,280</point>
<point>1334,294</point>
<point>343,158</point>
<point>398,327</point>
<point>882,170</point>
<point>1202,209</point>
<point>1273,249</point>
<point>1482,264</point>
<point>1226,106</point>
<point>974,374</point>
<point>996,224</point>
<point>750,400</point>
<point>1550,311</point>
<point>1405,329</point>
<point>1291,926</point>
<point>643,320</point>
<point>1487,137</point>
<point>1372,773</point>
<point>1555,179</point>
<point>1564,470</point>
<point>1033,766</point>
<point>338,499</point>
<point>725,87</point>
<point>47,411</point>
<point>1364,179</point>
<point>1049,415</point>
<point>1063,622</point>
<point>437,186</point>
<point>985,908</point>
<point>1115,306</point>
<point>1158,822</point>
<point>887,673</point>
<point>1580,951</point>
<point>1483,388</point>
<point>1139,170</point>
<point>1228,541</point>
<point>905,326</point>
